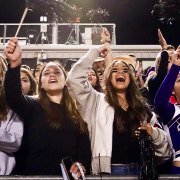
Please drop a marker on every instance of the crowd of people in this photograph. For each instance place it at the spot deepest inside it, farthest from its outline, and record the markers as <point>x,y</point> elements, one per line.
<point>107,113</point>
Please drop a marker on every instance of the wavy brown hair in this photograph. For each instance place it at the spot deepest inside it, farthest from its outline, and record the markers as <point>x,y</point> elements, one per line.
<point>97,86</point>
<point>67,101</point>
<point>138,108</point>
<point>33,85</point>
<point>3,105</point>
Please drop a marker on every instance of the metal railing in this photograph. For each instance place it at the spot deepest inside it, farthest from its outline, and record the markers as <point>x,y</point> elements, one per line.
<point>61,33</point>
<point>105,177</point>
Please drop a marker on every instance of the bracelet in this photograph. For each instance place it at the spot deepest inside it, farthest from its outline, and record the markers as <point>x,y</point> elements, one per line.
<point>97,51</point>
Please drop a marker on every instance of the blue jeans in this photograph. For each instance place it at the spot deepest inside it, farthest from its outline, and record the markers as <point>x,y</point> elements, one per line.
<point>125,169</point>
<point>175,170</point>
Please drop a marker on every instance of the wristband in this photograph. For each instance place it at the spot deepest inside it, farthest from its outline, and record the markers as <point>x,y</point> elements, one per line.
<point>104,41</point>
<point>81,171</point>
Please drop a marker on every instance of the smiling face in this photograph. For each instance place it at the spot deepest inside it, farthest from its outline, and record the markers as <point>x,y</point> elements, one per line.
<point>92,77</point>
<point>52,79</point>
<point>120,76</point>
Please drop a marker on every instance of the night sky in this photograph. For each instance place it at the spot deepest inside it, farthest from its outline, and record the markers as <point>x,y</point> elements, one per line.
<point>134,23</point>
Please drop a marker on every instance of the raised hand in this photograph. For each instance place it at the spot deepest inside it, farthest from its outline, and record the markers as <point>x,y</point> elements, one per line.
<point>105,36</point>
<point>176,57</point>
<point>78,171</point>
<point>13,52</point>
<point>162,40</point>
<point>104,49</point>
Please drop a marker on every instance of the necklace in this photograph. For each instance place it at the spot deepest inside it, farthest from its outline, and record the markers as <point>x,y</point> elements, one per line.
<point>122,102</point>
<point>124,106</point>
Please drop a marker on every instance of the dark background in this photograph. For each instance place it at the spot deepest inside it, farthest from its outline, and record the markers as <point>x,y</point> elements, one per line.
<point>133,19</point>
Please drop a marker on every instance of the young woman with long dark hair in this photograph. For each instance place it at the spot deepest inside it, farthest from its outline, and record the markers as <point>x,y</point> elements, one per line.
<point>53,128</point>
<point>114,116</point>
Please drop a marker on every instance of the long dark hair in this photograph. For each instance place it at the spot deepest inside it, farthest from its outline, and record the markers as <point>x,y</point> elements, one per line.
<point>3,105</point>
<point>97,86</point>
<point>139,110</point>
<point>67,101</point>
<point>39,64</point>
<point>33,85</point>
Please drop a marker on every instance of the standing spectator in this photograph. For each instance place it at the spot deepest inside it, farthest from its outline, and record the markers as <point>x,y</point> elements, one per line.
<point>37,71</point>
<point>161,68</point>
<point>11,131</point>
<point>114,117</point>
<point>170,113</point>
<point>93,78</point>
<point>53,128</point>
<point>28,82</point>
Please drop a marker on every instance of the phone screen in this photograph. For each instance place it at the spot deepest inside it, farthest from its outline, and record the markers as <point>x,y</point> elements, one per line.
<point>67,163</point>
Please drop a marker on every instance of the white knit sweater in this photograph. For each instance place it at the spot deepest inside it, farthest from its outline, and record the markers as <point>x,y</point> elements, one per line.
<point>99,115</point>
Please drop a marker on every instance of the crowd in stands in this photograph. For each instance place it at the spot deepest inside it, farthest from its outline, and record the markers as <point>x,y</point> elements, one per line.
<point>108,114</point>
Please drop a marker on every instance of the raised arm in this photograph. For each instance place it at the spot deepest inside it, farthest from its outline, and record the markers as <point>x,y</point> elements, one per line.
<point>14,97</point>
<point>13,53</point>
<point>162,105</point>
<point>77,82</point>
<point>162,40</point>
<point>106,39</point>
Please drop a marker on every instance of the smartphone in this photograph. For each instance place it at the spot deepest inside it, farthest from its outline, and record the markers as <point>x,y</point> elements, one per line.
<point>66,164</point>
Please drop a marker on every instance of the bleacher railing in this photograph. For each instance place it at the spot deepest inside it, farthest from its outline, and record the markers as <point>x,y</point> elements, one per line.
<point>105,177</point>
<point>60,33</point>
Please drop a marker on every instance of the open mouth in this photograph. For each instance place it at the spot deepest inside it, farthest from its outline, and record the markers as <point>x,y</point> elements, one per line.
<point>120,79</point>
<point>52,81</point>
<point>89,78</point>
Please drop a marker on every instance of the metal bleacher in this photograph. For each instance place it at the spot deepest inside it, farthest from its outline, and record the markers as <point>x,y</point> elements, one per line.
<point>67,40</point>
<point>105,177</point>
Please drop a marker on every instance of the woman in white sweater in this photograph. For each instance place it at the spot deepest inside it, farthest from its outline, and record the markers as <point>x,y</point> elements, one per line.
<point>114,117</point>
